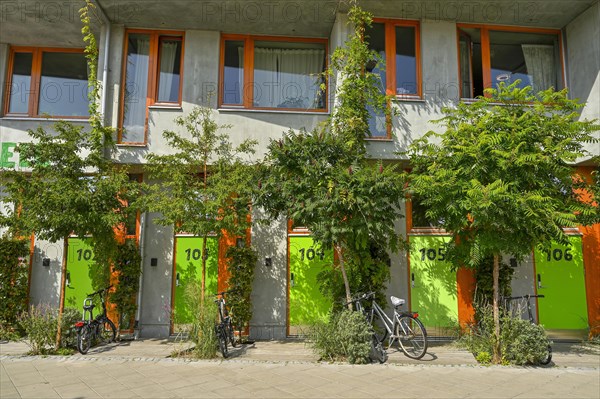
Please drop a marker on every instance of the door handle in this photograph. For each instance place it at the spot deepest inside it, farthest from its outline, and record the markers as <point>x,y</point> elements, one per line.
<point>68,282</point>
<point>292,279</point>
<point>177,280</point>
<point>539,280</point>
<point>412,280</point>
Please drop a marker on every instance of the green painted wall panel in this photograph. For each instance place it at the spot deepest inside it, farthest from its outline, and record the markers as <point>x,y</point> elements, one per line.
<point>79,261</point>
<point>434,293</point>
<point>188,267</point>
<point>561,279</point>
<point>307,304</point>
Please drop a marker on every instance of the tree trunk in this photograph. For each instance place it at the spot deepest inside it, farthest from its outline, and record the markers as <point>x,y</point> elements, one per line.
<point>203,281</point>
<point>339,251</point>
<point>497,356</point>
<point>63,280</point>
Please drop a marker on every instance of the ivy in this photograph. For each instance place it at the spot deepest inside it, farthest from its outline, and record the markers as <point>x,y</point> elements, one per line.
<point>13,283</point>
<point>241,264</point>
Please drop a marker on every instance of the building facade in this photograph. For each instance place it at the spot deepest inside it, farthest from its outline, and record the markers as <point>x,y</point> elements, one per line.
<point>255,64</point>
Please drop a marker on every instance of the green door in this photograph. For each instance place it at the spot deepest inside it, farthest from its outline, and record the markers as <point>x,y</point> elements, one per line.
<point>561,279</point>
<point>433,284</point>
<point>80,259</point>
<point>306,303</point>
<point>188,268</point>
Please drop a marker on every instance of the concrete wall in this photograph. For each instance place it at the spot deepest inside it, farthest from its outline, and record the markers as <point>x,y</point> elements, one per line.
<point>155,309</point>
<point>583,57</point>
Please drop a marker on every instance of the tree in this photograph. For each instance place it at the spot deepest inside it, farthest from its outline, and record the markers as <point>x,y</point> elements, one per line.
<point>204,187</point>
<point>71,187</point>
<point>323,179</point>
<point>500,178</point>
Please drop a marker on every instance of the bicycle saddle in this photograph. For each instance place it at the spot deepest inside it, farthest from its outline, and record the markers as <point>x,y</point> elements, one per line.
<point>397,301</point>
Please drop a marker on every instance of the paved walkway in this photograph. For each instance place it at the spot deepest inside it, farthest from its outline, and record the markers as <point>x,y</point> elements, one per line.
<point>287,369</point>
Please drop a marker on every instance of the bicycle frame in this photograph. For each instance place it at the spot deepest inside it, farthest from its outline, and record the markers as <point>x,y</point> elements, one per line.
<point>388,323</point>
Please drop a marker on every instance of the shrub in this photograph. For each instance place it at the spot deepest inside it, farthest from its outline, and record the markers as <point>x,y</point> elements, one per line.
<point>521,341</point>
<point>241,265</point>
<point>13,285</point>
<point>201,330</point>
<point>40,327</point>
<point>346,336</point>
<point>69,333</point>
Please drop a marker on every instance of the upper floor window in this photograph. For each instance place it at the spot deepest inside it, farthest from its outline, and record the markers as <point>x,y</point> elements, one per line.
<point>47,82</point>
<point>273,73</point>
<point>398,44</point>
<point>490,55</point>
<point>152,75</point>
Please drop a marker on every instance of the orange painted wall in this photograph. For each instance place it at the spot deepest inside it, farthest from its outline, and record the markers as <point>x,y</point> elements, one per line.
<point>591,261</point>
<point>465,282</point>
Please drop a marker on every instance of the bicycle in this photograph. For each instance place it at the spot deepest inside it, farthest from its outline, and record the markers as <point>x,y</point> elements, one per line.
<point>404,328</point>
<point>548,358</point>
<point>98,330</point>
<point>224,328</point>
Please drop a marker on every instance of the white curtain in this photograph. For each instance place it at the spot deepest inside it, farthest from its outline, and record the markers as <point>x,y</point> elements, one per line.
<point>541,68</point>
<point>135,92</point>
<point>465,69</point>
<point>266,78</point>
<point>287,78</point>
<point>167,77</point>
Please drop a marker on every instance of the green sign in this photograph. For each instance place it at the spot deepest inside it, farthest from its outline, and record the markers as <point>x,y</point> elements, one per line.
<point>433,284</point>
<point>188,268</point>
<point>307,304</point>
<point>80,260</point>
<point>561,279</point>
<point>9,158</point>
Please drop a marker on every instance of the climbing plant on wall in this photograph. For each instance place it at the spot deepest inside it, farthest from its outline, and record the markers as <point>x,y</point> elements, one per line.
<point>13,283</point>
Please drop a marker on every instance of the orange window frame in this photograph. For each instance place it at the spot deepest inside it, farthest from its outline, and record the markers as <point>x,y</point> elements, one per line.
<point>156,39</point>
<point>248,88</point>
<point>35,81</point>
<point>486,63</point>
<point>390,55</point>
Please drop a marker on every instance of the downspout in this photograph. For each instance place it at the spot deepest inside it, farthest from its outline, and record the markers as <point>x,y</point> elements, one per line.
<point>138,311</point>
<point>106,23</point>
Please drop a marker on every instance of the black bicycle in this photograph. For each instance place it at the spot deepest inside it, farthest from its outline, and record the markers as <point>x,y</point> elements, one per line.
<point>527,299</point>
<point>224,328</point>
<point>98,330</point>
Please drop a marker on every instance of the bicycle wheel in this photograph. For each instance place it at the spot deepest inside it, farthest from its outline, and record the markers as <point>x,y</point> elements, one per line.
<point>231,334</point>
<point>84,339</point>
<point>411,336</point>
<point>107,332</point>
<point>222,338</point>
<point>377,352</point>
<point>548,358</point>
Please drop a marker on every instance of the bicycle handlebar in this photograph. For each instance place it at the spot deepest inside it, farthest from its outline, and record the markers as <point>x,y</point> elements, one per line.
<point>99,291</point>
<point>222,293</point>
<point>361,297</point>
<point>524,297</point>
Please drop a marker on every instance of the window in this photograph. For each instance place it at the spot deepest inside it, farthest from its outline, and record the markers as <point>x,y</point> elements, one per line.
<point>490,55</point>
<point>152,76</point>
<point>273,73</point>
<point>397,42</point>
<point>47,82</point>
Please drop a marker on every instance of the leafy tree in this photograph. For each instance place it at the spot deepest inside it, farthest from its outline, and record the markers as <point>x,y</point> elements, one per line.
<point>72,186</point>
<point>500,177</point>
<point>323,179</point>
<point>204,186</point>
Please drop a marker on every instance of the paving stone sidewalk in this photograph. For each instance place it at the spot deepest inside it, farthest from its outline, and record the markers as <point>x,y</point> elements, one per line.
<point>143,369</point>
